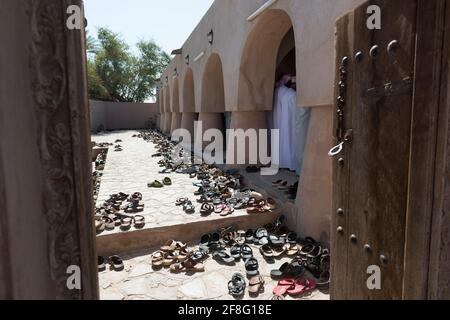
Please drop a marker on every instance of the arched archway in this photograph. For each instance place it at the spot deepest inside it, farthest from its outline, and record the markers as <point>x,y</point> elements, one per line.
<point>213,97</point>
<point>259,61</point>
<point>266,43</point>
<point>188,115</point>
<point>176,115</point>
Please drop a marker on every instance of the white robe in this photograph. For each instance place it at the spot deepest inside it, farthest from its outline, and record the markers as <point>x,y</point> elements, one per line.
<point>284,119</point>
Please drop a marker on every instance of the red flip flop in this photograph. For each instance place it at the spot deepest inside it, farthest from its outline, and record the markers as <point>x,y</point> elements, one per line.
<point>283,286</point>
<point>301,286</point>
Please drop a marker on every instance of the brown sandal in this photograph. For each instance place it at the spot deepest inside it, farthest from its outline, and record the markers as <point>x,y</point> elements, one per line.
<point>256,285</point>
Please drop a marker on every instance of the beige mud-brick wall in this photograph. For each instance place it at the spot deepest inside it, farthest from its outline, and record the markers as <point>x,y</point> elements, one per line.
<point>121,115</point>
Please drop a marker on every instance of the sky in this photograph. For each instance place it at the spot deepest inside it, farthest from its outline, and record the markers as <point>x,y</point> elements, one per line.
<point>168,22</point>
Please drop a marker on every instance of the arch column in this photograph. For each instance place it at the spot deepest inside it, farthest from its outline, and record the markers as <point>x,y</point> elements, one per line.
<point>209,120</point>
<point>246,120</point>
<point>167,123</point>
<point>187,122</point>
<point>176,122</point>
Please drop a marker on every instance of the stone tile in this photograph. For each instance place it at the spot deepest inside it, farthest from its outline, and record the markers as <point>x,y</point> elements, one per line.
<point>136,286</point>
<point>194,289</point>
<point>140,270</point>
<point>111,294</point>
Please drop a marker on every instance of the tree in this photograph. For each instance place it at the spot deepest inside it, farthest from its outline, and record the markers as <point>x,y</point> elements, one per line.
<point>125,77</point>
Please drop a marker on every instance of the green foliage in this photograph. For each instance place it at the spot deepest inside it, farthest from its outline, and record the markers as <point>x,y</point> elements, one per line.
<point>115,74</point>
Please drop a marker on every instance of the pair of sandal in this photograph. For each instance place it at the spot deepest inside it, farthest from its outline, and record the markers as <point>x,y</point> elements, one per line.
<point>294,287</point>
<point>115,262</point>
<point>261,206</point>
<point>126,222</point>
<point>190,265</point>
<point>223,210</point>
<point>157,184</point>
<point>281,185</point>
<point>241,251</point>
<point>270,251</point>
<point>166,259</point>
<point>237,285</point>
<point>232,238</point>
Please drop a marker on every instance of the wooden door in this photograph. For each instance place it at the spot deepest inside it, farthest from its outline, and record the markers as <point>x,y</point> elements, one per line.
<point>374,103</point>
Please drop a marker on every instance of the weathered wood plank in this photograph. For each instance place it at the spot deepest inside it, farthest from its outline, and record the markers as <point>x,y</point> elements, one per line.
<point>430,22</point>
<point>344,40</point>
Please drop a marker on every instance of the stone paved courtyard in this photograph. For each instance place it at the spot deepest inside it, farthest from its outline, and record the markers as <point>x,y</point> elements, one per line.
<point>140,282</point>
<point>129,171</point>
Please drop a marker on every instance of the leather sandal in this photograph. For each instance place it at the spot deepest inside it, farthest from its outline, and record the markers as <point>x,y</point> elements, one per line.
<point>256,285</point>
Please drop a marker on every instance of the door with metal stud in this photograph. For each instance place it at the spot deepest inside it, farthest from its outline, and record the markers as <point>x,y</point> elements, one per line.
<point>373,111</point>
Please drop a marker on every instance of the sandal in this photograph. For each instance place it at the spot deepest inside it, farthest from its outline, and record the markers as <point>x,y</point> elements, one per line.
<point>226,211</point>
<point>252,266</point>
<point>206,209</point>
<point>155,184</point>
<point>249,235</point>
<point>126,223</point>
<point>236,251</point>
<point>158,259</point>
<point>283,286</point>
<point>189,265</point>
<point>167,181</point>
<point>266,251</point>
<point>256,285</point>
<point>219,208</point>
<point>139,222</point>
<point>261,237</point>
<point>188,207</point>
<point>170,246</point>
<point>302,286</point>
<point>101,264</point>
<point>116,263</point>
<point>291,249</point>
<point>236,287</point>
<point>181,201</point>
<point>246,252</point>
<point>293,270</point>
<point>224,257</point>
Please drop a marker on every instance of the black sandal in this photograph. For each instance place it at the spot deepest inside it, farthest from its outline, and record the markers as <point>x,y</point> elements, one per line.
<point>236,287</point>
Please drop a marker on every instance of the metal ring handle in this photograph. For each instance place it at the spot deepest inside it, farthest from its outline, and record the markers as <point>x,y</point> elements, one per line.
<point>336,150</point>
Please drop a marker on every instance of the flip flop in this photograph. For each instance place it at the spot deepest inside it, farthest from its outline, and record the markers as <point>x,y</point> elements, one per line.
<point>302,286</point>
<point>283,286</point>
<point>219,208</point>
<point>224,257</point>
